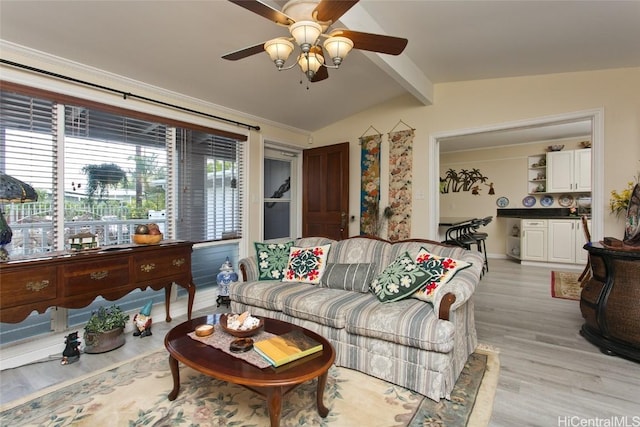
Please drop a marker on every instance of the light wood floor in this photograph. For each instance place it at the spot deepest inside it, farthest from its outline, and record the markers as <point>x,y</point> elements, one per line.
<point>549,375</point>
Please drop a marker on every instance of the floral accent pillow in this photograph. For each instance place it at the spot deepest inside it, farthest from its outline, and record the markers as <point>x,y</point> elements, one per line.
<point>272,259</point>
<point>400,279</point>
<point>306,264</point>
<point>442,269</point>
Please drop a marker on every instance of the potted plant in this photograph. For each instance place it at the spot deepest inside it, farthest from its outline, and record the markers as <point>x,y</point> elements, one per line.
<point>105,330</point>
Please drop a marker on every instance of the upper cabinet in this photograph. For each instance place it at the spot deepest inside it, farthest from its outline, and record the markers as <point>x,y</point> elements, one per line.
<point>568,171</point>
<point>537,173</point>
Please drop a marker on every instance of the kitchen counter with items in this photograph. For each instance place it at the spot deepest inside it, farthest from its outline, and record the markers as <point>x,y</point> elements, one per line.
<point>540,213</point>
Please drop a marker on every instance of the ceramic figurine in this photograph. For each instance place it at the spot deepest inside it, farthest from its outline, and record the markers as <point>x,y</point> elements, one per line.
<point>71,353</point>
<point>142,321</point>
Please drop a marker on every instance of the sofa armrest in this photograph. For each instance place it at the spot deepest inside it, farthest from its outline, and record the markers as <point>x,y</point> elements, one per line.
<point>248,269</point>
<point>461,287</point>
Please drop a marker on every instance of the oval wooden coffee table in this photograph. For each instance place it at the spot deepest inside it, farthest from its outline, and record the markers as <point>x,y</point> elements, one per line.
<point>268,382</point>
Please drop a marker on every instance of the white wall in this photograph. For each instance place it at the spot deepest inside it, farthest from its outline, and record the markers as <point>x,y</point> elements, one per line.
<point>481,103</point>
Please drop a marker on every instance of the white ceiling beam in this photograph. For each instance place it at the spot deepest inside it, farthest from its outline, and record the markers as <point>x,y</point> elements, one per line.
<point>400,67</point>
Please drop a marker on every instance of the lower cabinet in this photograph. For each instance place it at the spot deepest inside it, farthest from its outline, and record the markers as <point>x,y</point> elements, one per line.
<point>534,240</point>
<point>561,245</point>
<point>546,240</point>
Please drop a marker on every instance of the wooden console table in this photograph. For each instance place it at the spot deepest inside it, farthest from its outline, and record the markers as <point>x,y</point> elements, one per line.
<point>75,279</point>
<point>610,301</point>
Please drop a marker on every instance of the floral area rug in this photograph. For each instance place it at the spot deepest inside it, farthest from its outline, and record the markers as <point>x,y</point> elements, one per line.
<point>135,394</point>
<point>565,285</point>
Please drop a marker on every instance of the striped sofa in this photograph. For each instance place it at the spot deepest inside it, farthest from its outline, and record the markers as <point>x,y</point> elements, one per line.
<point>411,343</point>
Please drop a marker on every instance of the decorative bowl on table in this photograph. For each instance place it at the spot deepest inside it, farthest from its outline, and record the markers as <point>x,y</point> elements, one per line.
<point>146,239</point>
<point>240,333</point>
<point>557,147</point>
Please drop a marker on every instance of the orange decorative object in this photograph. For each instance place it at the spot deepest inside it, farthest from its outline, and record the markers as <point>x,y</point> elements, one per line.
<point>146,239</point>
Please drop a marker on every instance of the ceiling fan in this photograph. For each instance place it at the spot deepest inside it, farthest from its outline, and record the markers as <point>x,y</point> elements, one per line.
<point>308,22</point>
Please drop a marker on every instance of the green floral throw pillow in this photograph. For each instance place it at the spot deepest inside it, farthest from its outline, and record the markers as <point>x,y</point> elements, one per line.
<point>442,269</point>
<point>400,279</point>
<point>272,259</point>
<point>306,264</point>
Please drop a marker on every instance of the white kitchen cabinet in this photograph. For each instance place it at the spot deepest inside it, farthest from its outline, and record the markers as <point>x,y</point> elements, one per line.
<point>561,240</point>
<point>568,171</point>
<point>565,241</point>
<point>558,240</point>
<point>533,242</point>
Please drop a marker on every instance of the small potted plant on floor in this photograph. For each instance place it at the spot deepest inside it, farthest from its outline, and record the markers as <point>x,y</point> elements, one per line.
<point>105,330</point>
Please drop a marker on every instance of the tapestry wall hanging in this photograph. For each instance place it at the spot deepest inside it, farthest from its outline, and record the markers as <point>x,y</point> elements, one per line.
<point>370,184</point>
<point>400,175</point>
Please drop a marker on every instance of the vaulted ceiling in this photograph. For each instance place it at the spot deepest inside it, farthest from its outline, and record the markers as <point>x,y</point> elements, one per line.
<point>177,45</point>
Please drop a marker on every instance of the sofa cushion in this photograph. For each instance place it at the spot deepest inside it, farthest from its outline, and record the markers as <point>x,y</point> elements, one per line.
<point>349,277</point>
<point>272,259</point>
<point>306,264</point>
<point>321,305</point>
<point>361,249</point>
<point>407,322</point>
<point>305,242</point>
<point>442,270</point>
<point>267,294</point>
<point>399,279</point>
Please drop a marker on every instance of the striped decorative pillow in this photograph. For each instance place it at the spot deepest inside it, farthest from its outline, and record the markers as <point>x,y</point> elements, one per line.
<point>349,277</point>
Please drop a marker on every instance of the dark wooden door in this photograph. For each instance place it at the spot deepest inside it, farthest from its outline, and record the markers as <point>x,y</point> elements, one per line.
<point>325,192</point>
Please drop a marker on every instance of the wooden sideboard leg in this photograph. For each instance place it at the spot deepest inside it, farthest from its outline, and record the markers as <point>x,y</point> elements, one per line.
<point>191,288</point>
<point>167,301</point>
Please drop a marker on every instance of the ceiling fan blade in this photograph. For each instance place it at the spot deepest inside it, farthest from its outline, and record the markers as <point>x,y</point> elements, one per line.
<point>373,42</point>
<point>331,10</point>
<point>265,11</point>
<point>244,53</point>
<point>321,74</point>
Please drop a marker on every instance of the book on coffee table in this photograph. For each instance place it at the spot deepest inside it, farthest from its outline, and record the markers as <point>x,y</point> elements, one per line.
<point>286,348</point>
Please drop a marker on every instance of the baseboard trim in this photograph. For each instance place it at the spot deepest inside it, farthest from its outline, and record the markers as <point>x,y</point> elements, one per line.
<point>50,346</point>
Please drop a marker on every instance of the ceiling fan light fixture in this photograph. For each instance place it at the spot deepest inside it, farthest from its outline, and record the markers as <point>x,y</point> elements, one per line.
<point>338,48</point>
<point>305,34</point>
<point>279,50</point>
<point>310,62</point>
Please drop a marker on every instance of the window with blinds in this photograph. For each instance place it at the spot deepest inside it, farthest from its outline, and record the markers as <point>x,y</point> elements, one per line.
<point>28,147</point>
<point>115,174</point>
<point>210,188</point>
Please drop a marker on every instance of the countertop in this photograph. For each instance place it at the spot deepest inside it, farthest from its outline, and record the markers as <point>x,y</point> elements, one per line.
<point>540,213</point>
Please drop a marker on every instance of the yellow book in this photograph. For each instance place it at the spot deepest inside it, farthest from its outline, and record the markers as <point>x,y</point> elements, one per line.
<point>286,348</point>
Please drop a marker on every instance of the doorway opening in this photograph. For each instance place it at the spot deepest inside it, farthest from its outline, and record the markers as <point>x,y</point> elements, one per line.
<point>595,118</point>
<point>281,194</point>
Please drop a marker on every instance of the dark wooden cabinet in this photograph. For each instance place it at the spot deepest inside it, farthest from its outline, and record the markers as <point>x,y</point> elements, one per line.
<point>75,279</point>
<point>610,301</point>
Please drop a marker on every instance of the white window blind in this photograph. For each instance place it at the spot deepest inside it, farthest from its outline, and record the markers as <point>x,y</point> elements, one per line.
<point>209,185</point>
<point>115,173</point>
<point>27,152</point>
